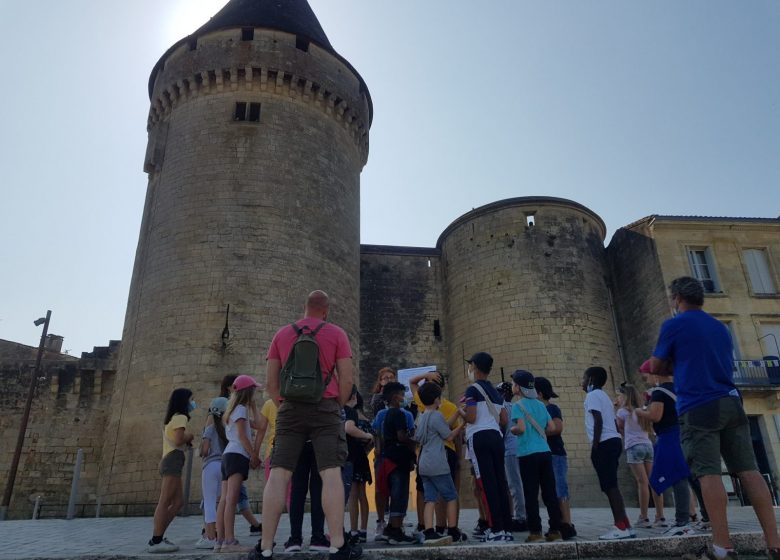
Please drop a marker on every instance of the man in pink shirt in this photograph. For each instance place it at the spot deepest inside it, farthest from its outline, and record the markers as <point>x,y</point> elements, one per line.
<point>321,422</point>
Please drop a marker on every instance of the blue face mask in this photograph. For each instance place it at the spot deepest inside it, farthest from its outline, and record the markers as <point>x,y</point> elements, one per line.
<point>193,406</point>
<point>589,388</point>
<point>406,402</point>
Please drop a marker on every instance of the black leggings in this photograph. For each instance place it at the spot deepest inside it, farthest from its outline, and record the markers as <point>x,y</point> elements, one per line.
<point>536,470</point>
<point>306,479</point>
<point>489,451</point>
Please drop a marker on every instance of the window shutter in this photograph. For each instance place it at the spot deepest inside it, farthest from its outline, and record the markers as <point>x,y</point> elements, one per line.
<point>758,270</point>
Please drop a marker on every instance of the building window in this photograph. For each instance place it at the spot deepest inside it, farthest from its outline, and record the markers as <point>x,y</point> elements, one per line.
<point>247,112</point>
<point>703,268</point>
<point>757,265</point>
<point>530,219</point>
<point>301,44</point>
<point>247,34</point>
<point>770,339</point>
<point>734,346</point>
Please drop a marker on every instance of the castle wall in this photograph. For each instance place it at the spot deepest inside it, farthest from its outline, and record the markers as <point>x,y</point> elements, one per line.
<point>638,293</point>
<point>69,412</point>
<point>535,297</point>
<point>400,301</point>
<point>253,215</point>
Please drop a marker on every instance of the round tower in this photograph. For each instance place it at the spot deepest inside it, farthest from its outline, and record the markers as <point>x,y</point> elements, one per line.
<point>524,279</point>
<point>258,132</point>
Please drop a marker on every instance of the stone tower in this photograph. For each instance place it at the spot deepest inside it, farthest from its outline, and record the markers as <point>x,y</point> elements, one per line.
<point>525,279</point>
<point>258,132</point>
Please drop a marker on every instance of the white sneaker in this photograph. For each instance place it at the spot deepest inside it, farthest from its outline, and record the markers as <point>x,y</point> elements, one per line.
<point>491,537</point>
<point>379,535</point>
<point>660,523</point>
<point>643,523</point>
<point>161,547</point>
<point>205,543</point>
<point>617,534</point>
<point>679,531</point>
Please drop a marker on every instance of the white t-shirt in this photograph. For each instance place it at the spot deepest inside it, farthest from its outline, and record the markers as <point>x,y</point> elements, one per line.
<point>632,431</point>
<point>231,431</point>
<point>598,400</point>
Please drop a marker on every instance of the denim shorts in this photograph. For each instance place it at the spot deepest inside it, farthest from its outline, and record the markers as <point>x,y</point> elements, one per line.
<point>243,499</point>
<point>560,465</point>
<point>441,485</point>
<point>639,454</point>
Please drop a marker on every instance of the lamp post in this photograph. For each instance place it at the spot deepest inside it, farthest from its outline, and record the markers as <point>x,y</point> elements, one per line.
<point>9,485</point>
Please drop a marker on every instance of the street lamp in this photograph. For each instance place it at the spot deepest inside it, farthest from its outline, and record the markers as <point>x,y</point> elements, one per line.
<point>9,485</point>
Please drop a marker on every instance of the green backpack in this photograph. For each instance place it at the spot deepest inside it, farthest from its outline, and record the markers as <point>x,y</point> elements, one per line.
<point>301,376</point>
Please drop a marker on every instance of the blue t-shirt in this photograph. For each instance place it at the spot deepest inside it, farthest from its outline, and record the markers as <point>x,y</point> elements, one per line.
<point>531,441</point>
<point>699,347</point>
<point>379,419</point>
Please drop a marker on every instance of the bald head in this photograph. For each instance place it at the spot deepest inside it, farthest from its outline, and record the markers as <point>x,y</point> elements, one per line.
<point>317,304</point>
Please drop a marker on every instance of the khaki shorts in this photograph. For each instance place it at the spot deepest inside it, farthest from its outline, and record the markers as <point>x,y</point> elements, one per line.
<point>714,429</point>
<point>298,422</point>
<point>172,464</point>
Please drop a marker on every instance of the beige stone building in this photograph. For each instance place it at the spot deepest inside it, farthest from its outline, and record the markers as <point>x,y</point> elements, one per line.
<point>738,261</point>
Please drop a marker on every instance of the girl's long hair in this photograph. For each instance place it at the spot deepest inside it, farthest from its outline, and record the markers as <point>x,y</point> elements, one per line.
<point>220,428</point>
<point>378,385</point>
<point>178,403</point>
<point>633,400</point>
<point>244,396</point>
<point>225,386</point>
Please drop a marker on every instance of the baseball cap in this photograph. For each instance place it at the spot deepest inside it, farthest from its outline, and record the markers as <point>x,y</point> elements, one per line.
<point>483,361</point>
<point>244,381</point>
<point>544,387</point>
<point>218,406</point>
<point>525,380</point>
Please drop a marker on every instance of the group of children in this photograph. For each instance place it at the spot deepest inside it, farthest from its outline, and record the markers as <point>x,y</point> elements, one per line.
<point>512,434</point>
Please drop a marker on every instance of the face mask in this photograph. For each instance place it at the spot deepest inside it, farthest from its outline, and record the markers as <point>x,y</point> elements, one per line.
<point>471,375</point>
<point>193,406</point>
<point>406,402</point>
<point>589,388</point>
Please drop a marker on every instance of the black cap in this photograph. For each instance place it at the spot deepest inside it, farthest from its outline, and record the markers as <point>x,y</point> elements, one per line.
<point>525,379</point>
<point>482,361</point>
<point>544,387</point>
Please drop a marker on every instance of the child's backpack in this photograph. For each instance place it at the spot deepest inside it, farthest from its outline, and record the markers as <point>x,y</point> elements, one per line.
<point>301,375</point>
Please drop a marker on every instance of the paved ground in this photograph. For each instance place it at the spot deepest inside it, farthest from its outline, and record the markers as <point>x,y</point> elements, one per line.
<point>115,538</point>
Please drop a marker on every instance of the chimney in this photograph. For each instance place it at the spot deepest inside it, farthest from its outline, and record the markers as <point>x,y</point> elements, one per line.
<point>54,342</point>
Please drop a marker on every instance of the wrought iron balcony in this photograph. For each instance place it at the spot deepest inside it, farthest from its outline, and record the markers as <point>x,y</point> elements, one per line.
<point>757,373</point>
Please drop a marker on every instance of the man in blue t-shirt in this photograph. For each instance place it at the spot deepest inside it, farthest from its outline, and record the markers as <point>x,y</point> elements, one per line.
<point>697,348</point>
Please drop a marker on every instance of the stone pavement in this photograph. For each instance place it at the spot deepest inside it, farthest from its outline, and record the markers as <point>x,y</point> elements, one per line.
<point>125,538</point>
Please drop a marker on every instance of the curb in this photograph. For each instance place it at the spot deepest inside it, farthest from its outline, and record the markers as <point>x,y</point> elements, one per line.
<point>751,543</point>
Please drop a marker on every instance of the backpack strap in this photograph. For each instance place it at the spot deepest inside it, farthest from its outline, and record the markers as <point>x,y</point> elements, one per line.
<point>665,391</point>
<point>491,406</point>
<point>299,330</point>
<point>531,419</point>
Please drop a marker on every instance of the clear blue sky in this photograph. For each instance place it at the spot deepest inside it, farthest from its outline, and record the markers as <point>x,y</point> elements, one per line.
<point>631,108</point>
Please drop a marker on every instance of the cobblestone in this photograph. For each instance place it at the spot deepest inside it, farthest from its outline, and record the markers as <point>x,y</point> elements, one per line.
<point>125,538</point>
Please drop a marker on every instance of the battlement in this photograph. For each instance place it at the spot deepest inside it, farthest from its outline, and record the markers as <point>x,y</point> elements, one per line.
<point>271,62</point>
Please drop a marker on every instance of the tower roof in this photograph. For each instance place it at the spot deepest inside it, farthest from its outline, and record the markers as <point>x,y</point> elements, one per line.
<point>291,16</point>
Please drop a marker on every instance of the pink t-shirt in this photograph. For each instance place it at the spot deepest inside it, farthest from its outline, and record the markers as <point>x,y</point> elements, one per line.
<point>333,343</point>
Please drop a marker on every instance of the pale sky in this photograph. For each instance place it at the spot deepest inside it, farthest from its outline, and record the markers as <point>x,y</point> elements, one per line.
<point>630,108</point>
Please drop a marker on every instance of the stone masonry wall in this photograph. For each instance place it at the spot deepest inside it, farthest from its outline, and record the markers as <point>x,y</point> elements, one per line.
<point>68,413</point>
<point>400,299</point>
<point>535,297</point>
<point>638,293</point>
<point>253,215</point>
